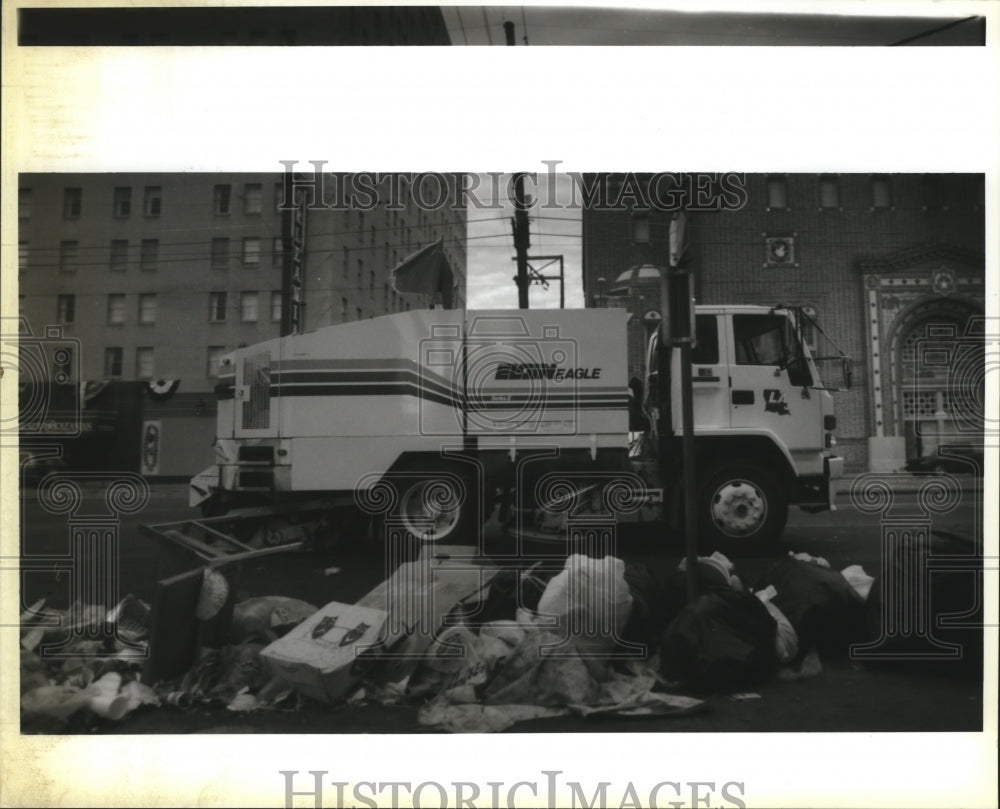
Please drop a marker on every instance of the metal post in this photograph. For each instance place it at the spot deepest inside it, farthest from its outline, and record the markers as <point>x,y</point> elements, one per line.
<point>690,508</point>
<point>521,241</point>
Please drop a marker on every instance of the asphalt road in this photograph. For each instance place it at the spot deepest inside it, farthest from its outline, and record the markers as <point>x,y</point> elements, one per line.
<point>845,697</point>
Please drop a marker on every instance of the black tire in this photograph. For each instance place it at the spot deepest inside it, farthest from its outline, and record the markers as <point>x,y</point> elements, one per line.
<point>741,509</point>
<point>438,504</point>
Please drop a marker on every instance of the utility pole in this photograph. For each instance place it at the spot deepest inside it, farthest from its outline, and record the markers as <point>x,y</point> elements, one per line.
<point>522,240</point>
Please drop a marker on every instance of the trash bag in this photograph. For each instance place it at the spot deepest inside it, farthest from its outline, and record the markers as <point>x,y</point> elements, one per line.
<point>858,579</point>
<point>822,606</point>
<point>787,640</point>
<point>529,676</point>
<point>265,618</point>
<point>591,601</point>
<point>450,662</point>
<point>951,613</point>
<point>653,605</point>
<point>502,595</point>
<point>721,639</point>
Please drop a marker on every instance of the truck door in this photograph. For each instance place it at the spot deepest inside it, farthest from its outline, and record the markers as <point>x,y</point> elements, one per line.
<point>256,413</point>
<point>770,384</point>
<point>710,383</point>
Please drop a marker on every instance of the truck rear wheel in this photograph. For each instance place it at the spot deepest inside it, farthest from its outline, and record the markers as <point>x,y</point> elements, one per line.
<point>742,509</point>
<point>438,508</point>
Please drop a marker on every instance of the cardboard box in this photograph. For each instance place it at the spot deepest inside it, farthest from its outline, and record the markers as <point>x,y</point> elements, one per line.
<point>320,657</point>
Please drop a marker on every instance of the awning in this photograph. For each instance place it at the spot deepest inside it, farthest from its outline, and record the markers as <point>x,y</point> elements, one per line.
<point>427,272</point>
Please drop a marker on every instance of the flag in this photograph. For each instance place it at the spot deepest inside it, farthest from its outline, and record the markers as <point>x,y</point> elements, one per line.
<point>428,272</point>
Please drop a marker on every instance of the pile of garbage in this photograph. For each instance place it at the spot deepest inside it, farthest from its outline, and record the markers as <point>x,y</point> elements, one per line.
<point>472,646</point>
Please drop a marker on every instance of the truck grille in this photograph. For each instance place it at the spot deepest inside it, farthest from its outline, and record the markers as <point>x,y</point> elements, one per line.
<point>255,479</point>
<point>257,454</point>
<point>257,377</point>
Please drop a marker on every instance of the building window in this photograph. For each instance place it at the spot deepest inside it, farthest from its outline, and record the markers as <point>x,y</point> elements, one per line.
<point>150,256</point>
<point>361,225</point>
<point>23,203</point>
<point>361,271</point>
<point>116,309</point>
<point>278,252</point>
<point>22,257</point>
<point>122,202</point>
<point>152,200</point>
<point>358,313</point>
<point>276,306</point>
<point>144,362</point>
<point>371,282</point>
<point>777,192</point>
<point>217,307</point>
<point>253,198</point>
<point>214,361</point>
<point>251,252</point>
<point>829,191</point>
<point>346,262</point>
<point>371,237</point>
<point>933,192</point>
<point>220,253</point>
<point>119,255</point>
<point>113,361</point>
<point>385,296</point>
<point>147,308</point>
<point>72,203</point>
<point>68,256</point>
<point>640,228</point>
<point>248,307</point>
<point>221,199</point>
<point>343,310</point>
<point>881,192</point>
<point>65,308</point>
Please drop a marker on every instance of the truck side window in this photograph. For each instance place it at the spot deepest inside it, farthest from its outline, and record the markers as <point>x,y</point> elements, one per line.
<point>706,332</point>
<point>759,339</point>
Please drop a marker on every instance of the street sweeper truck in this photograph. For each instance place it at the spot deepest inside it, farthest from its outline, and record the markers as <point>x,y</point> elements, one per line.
<point>430,420</point>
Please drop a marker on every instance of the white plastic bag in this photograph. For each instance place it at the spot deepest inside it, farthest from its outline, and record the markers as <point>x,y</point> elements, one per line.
<point>858,579</point>
<point>591,600</point>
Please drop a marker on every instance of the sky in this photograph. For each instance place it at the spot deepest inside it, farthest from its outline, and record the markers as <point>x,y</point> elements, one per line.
<point>554,230</point>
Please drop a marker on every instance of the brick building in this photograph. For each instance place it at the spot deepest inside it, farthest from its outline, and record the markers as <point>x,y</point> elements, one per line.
<point>156,276</point>
<point>891,266</point>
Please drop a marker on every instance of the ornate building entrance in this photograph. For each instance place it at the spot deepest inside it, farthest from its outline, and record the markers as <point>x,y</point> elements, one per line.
<point>926,344</point>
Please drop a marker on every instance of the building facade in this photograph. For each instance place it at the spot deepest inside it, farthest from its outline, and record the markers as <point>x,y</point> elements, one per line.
<point>891,267</point>
<point>154,277</point>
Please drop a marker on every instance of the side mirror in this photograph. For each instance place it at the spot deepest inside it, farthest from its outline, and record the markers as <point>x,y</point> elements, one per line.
<point>847,368</point>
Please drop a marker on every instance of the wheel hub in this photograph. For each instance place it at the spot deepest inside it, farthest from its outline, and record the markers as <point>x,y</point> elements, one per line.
<point>738,508</point>
<point>430,510</point>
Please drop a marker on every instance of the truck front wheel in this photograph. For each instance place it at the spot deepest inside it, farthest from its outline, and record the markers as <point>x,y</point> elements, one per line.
<point>741,509</point>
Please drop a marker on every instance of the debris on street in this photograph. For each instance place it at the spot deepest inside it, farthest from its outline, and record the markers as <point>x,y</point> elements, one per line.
<point>470,647</point>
